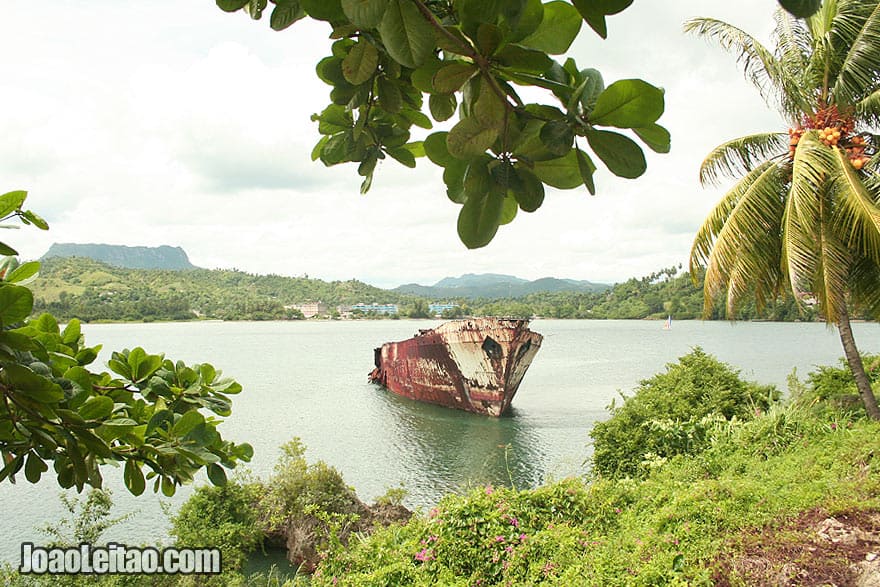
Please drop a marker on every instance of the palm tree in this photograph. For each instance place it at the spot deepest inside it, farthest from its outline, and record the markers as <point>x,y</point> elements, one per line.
<point>803,215</point>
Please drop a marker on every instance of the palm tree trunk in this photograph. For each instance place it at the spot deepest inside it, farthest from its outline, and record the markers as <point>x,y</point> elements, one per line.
<point>856,366</point>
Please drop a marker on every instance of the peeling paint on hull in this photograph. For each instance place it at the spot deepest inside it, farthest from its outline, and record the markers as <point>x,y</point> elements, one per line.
<point>474,364</point>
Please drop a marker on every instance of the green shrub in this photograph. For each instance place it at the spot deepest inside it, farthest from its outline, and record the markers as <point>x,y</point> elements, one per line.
<point>298,489</point>
<point>673,413</point>
<point>832,389</point>
<point>225,517</point>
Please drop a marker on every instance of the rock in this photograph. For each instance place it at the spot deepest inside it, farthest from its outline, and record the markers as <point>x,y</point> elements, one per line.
<point>867,573</point>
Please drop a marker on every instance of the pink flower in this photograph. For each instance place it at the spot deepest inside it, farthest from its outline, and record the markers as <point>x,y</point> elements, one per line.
<point>514,522</point>
<point>434,512</point>
<point>522,537</point>
<point>432,538</point>
<point>489,490</point>
<point>616,510</point>
<point>509,549</point>
<point>424,555</point>
<point>499,538</point>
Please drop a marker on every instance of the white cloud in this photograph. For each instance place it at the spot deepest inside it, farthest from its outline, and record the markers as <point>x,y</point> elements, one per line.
<point>153,123</point>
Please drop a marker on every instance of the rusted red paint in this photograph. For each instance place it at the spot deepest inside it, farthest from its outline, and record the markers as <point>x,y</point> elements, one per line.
<point>474,364</point>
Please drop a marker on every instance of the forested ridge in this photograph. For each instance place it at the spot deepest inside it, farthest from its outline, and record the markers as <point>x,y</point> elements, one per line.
<point>94,291</point>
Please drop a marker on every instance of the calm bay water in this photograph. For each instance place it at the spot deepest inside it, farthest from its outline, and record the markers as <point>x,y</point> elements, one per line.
<point>309,379</point>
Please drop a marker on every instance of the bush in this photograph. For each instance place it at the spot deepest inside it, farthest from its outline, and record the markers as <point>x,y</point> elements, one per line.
<point>833,388</point>
<point>673,413</point>
<point>224,517</point>
<point>298,488</point>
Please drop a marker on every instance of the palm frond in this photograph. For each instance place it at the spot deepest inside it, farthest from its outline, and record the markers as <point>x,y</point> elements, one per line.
<point>868,109</point>
<point>856,31</point>
<point>734,158</point>
<point>714,223</point>
<point>864,286</point>
<point>802,221</point>
<point>856,217</point>
<point>759,65</point>
<point>794,45</point>
<point>757,273</point>
<point>830,283</point>
<point>732,245</point>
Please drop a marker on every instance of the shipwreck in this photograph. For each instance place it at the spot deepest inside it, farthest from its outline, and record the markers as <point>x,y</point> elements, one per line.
<point>474,364</point>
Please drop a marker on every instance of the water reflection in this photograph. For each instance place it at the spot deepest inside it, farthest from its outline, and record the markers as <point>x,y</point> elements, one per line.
<point>448,450</point>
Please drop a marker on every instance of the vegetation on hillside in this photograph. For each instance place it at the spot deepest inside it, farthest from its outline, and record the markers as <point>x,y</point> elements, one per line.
<point>92,291</point>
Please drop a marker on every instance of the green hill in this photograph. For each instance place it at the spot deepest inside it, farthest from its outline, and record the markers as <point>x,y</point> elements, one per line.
<point>91,290</point>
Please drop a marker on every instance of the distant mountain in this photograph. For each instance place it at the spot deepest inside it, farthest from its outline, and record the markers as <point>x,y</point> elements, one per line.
<point>493,285</point>
<point>163,257</point>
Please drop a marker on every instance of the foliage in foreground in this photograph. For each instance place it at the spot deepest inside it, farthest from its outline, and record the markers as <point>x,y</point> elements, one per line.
<point>664,530</point>
<point>55,411</point>
<point>673,413</point>
<point>470,60</point>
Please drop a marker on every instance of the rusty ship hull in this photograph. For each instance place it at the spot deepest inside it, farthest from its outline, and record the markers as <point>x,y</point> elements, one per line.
<point>473,364</point>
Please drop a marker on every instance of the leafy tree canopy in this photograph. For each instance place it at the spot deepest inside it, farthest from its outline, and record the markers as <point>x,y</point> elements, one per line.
<point>55,410</point>
<point>469,60</point>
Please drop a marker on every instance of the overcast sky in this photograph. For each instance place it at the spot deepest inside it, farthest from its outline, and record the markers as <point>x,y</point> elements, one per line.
<point>171,122</point>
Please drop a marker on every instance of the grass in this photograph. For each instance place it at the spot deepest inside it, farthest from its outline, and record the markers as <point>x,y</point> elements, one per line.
<point>671,528</point>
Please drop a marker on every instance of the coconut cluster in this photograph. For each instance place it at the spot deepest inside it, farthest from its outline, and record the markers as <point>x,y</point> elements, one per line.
<point>835,131</point>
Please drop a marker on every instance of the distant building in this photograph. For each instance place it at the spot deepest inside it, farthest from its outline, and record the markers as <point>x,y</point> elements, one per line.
<point>438,309</point>
<point>309,309</point>
<point>376,308</point>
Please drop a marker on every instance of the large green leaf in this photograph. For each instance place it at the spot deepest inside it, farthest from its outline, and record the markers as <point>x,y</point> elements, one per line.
<point>361,62</point>
<point>562,173</point>
<point>231,5</point>
<point>437,151</point>
<point>629,103</point>
<point>528,190</point>
<point>365,14</point>
<point>557,136</point>
<point>802,8</point>
<point>36,387</point>
<point>285,14</point>
<point>469,138</point>
<point>408,37</point>
<point>620,154</point>
<point>216,474</point>
<point>24,273</point>
<point>16,304</point>
<point>134,477</point>
<point>11,201</point>
<point>559,27</point>
<point>595,11</point>
<point>528,22</point>
<point>523,59</point>
<point>473,13</point>
<point>96,408</point>
<point>655,136</point>
<point>479,218</point>
<point>187,423</point>
<point>451,77</point>
<point>590,88</point>
<point>442,106</point>
<point>329,10</point>
<point>34,468</point>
